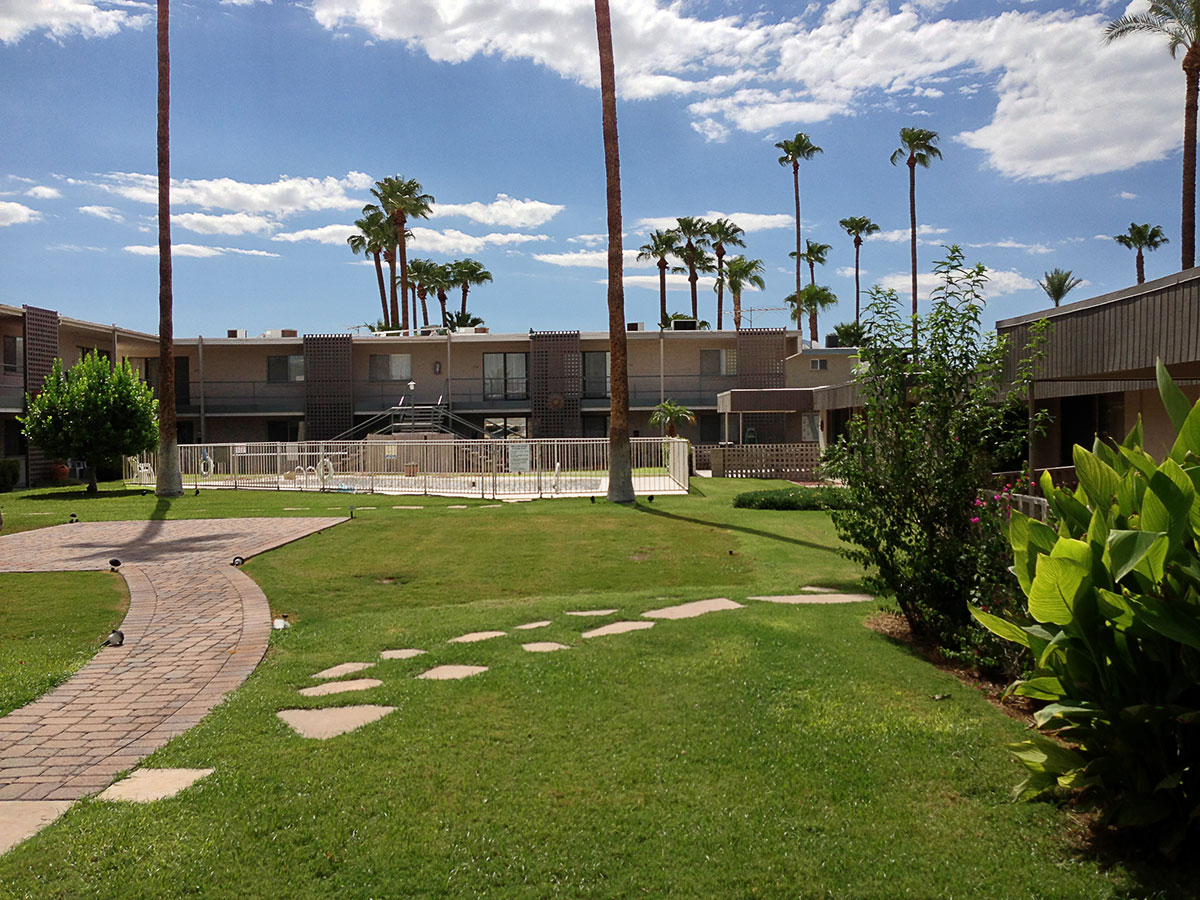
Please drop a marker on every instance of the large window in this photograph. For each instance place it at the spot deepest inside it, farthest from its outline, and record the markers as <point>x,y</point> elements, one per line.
<point>14,354</point>
<point>390,367</point>
<point>506,427</point>
<point>505,376</point>
<point>285,368</point>
<point>718,362</point>
<point>595,373</point>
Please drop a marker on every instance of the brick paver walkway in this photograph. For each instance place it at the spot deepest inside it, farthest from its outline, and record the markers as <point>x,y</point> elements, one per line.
<point>196,628</point>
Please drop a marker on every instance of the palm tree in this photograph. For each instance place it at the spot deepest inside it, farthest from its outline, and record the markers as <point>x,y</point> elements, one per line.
<point>620,463</point>
<point>798,148</point>
<point>1058,283</point>
<point>694,233</point>
<point>439,279</point>
<point>402,199</point>
<point>370,241</point>
<point>815,254</point>
<point>671,414</point>
<point>468,272</point>
<point>918,147</point>
<point>1139,238</point>
<point>741,273</point>
<point>169,482</point>
<point>723,232</point>
<point>813,299</point>
<point>858,227</point>
<point>1179,22</point>
<point>661,245</point>
<point>460,319</point>
<point>420,273</point>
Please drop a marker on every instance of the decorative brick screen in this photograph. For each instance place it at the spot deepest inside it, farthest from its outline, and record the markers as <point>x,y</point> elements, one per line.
<point>555,384</point>
<point>41,347</point>
<point>793,461</point>
<point>328,388</point>
<point>760,364</point>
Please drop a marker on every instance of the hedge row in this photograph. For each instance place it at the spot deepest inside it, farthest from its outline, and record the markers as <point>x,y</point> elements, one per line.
<point>823,497</point>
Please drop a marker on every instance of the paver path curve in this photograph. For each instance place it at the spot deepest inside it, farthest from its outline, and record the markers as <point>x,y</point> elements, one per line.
<point>196,628</point>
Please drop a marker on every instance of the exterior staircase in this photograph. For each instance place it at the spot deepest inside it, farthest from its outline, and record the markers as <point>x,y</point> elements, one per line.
<point>415,419</point>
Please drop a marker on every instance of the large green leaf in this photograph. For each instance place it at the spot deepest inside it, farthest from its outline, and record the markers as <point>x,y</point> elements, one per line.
<point>1177,404</point>
<point>1140,460</point>
<point>1066,714</point>
<point>1114,608</point>
<point>1188,440</point>
<point>1001,627</point>
<point>1040,754</point>
<point>1096,477</point>
<point>1134,438</point>
<point>1165,617</point>
<point>1167,505</point>
<point>1127,549</point>
<point>1056,588</point>
<point>1044,687</point>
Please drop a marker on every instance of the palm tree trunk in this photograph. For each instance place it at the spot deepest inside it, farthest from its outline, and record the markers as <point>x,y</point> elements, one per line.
<point>402,252</point>
<point>441,295</point>
<point>620,470</point>
<point>1141,267</point>
<point>692,279</point>
<point>382,289</point>
<point>812,272</point>
<point>796,187</point>
<point>464,298</point>
<point>812,326</point>
<point>1191,69</point>
<point>737,310</point>
<point>719,250</point>
<point>857,308</point>
<point>395,319</point>
<point>169,482</point>
<point>912,225</point>
<point>662,292</point>
<point>424,308</point>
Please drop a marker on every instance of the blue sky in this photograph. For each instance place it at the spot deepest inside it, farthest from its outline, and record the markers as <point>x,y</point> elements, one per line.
<point>285,113</point>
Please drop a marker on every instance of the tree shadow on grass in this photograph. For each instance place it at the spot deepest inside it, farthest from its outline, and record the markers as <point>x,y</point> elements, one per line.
<point>84,495</point>
<point>725,526</point>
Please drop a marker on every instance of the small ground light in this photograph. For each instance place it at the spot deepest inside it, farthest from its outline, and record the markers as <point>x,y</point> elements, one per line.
<point>352,511</point>
<point>593,499</point>
<point>74,518</point>
<point>651,498</point>
<point>238,561</point>
<point>114,564</point>
<point>116,639</point>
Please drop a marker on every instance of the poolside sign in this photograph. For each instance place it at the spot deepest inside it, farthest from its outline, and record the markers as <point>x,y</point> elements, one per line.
<point>519,458</point>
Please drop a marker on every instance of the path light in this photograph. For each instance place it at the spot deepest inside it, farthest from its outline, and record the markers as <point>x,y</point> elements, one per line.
<point>74,518</point>
<point>281,622</point>
<point>352,510</point>
<point>197,493</point>
<point>238,561</point>
<point>651,498</point>
<point>114,564</point>
<point>593,499</point>
<point>116,639</point>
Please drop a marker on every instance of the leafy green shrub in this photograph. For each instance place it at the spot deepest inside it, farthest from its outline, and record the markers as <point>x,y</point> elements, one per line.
<point>1114,593</point>
<point>10,471</point>
<point>823,497</point>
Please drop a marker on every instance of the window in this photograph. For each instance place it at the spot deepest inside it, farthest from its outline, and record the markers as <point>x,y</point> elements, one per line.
<point>504,376</point>
<point>14,354</point>
<point>818,365</point>
<point>283,430</point>
<point>285,368</point>
<point>84,351</point>
<point>595,426</point>
<point>718,362</point>
<point>595,373</point>
<point>506,427</point>
<point>390,367</point>
<point>710,428</point>
<point>810,427</point>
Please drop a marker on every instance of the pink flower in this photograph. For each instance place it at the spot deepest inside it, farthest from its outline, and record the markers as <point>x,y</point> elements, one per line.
<point>978,502</point>
<point>974,520</point>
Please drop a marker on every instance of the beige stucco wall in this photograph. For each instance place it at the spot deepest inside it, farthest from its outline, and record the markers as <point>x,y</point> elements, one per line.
<point>799,371</point>
<point>1158,432</point>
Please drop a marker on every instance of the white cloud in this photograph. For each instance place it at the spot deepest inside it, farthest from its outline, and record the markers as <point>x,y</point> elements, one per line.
<point>450,240</point>
<point>899,235</point>
<point>230,223</point>
<point>505,211</point>
<point>103,212</point>
<point>704,282</point>
<point>748,222</point>
<point>326,234</point>
<point>594,259</point>
<point>73,248</point>
<point>62,18</point>
<point>42,192</point>
<point>848,271</point>
<point>591,240</point>
<point>284,197</point>
<point>242,2</point>
<point>1127,195</point>
<point>1011,244</point>
<point>999,283</point>
<point>16,213</point>
<point>198,251</point>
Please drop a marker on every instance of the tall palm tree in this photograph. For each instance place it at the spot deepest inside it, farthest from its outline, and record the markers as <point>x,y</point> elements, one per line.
<point>440,279</point>
<point>741,273</point>
<point>798,148</point>
<point>1058,283</point>
<point>369,241</point>
<point>661,245</point>
<point>858,227</point>
<point>402,199</point>
<point>169,482</point>
<point>693,232</point>
<point>918,147</point>
<point>1139,238</point>
<point>620,463</point>
<point>1179,22</point>
<point>815,254</point>
<point>420,272</point>
<point>468,272</point>
<point>721,233</point>
<point>813,299</point>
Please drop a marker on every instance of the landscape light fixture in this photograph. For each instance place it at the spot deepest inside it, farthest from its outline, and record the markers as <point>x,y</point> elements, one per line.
<point>116,639</point>
<point>352,510</point>
<point>238,561</point>
<point>114,564</point>
<point>74,518</point>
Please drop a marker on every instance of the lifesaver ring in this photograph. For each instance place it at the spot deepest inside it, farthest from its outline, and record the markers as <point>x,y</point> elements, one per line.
<point>325,468</point>
<point>206,467</point>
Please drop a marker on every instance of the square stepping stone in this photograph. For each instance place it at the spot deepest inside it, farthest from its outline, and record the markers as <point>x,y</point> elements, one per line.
<point>147,785</point>
<point>530,625</point>
<point>343,669</point>
<point>544,646</point>
<point>408,507</point>
<point>323,724</point>
<point>813,589</point>
<point>407,653</point>
<point>457,506</point>
<point>340,687</point>
<point>591,612</point>
<point>616,628</point>
<point>475,637</point>
<point>815,598</point>
<point>449,673</point>
<point>693,609</point>
<point>21,819</point>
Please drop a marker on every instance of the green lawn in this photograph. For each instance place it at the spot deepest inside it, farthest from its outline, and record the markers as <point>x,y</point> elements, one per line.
<point>771,751</point>
<point>52,624</point>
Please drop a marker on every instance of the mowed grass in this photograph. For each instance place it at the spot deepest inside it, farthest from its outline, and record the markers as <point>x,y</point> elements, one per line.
<point>50,625</point>
<point>771,751</point>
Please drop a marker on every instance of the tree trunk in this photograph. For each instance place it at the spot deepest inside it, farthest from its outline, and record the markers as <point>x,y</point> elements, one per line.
<point>692,279</point>
<point>663,315</point>
<point>391,261</point>
<point>737,310</point>
<point>424,308</point>
<point>812,326</point>
<point>620,471</point>
<point>1141,267</point>
<point>402,252</point>
<point>799,257</point>
<point>1187,228</point>
<point>93,487</point>
<point>465,287</point>
<point>441,295</point>
<point>719,250</point>
<point>382,288</point>
<point>412,290</point>
<point>912,225</point>
<point>857,306</point>
<point>169,482</point>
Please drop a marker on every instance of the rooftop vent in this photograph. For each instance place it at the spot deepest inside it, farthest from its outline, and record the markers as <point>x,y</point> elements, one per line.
<point>235,333</point>
<point>635,326</point>
<point>683,324</point>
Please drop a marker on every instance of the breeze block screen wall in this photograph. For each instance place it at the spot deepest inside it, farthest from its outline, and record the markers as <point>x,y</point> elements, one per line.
<point>328,388</point>
<point>760,364</point>
<point>555,384</point>
<point>41,347</point>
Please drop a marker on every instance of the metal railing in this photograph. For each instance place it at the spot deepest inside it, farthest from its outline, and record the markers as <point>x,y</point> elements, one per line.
<point>488,469</point>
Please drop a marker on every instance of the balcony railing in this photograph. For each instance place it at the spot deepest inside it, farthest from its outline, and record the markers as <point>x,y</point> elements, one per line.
<point>246,397</point>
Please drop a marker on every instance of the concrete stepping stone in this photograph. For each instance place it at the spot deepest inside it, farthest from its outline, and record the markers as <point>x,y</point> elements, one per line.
<point>148,785</point>
<point>458,506</point>
<point>343,669</point>
<point>616,628</point>
<point>21,819</point>
<point>295,508</point>
<point>530,625</point>
<point>816,598</point>
<point>340,687</point>
<point>408,507</point>
<point>323,724</point>
<point>813,589</point>
<point>544,646</point>
<point>407,653</point>
<point>591,612</point>
<point>490,505</point>
<point>693,609</point>
<point>449,673</point>
<point>475,637</point>
<point>364,507</point>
